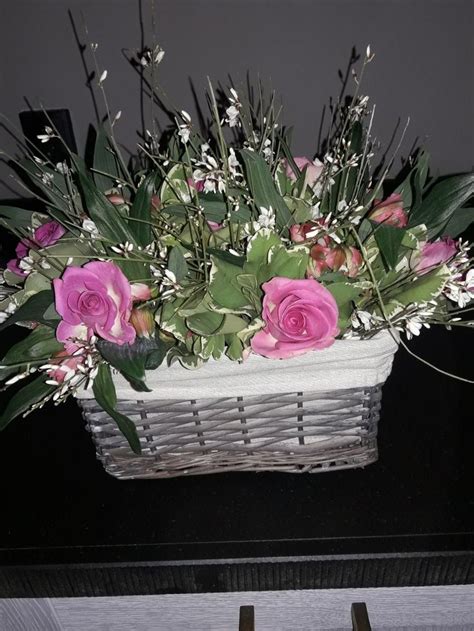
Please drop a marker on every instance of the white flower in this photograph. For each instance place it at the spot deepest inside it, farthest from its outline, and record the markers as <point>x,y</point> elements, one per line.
<point>362,318</point>
<point>233,111</point>
<point>89,226</point>
<point>267,149</point>
<point>62,168</point>
<point>266,219</point>
<point>414,325</point>
<point>184,133</point>
<point>46,178</point>
<point>103,77</point>
<point>232,116</point>
<point>48,134</point>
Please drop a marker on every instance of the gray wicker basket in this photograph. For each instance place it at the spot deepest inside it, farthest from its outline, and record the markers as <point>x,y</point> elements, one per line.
<point>315,429</point>
<point>294,432</point>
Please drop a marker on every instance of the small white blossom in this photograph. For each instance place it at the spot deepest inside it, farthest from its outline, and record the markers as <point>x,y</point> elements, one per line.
<point>62,167</point>
<point>103,77</point>
<point>89,226</point>
<point>266,219</point>
<point>233,111</point>
<point>48,134</point>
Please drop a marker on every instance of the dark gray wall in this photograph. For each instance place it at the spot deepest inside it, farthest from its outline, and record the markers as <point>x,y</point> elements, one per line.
<point>422,69</point>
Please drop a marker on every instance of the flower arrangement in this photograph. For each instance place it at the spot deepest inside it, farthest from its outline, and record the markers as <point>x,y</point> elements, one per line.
<point>221,245</point>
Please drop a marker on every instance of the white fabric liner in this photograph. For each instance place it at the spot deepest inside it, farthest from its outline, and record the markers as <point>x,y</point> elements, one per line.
<point>351,363</point>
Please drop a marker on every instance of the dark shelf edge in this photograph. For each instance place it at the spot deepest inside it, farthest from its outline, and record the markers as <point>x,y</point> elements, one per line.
<point>232,575</point>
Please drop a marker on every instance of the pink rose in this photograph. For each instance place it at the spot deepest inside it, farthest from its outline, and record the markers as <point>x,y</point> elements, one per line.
<point>300,316</point>
<point>390,211</point>
<point>312,169</point>
<point>436,253</point>
<point>95,298</point>
<point>325,256</point>
<point>47,234</point>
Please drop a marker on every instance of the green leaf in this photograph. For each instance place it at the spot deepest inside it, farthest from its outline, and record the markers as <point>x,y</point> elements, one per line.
<point>106,397</point>
<point>177,263</point>
<point>141,211</point>
<point>418,179</point>
<point>263,190</point>
<point>288,263</point>
<point>128,359</point>
<point>423,289</point>
<point>260,245</point>
<point>162,344</point>
<point>224,287</point>
<point>40,344</point>
<point>110,223</point>
<point>56,190</point>
<point>207,323</point>
<point>389,240</point>
<point>106,162</point>
<point>23,399</point>
<point>441,202</point>
<point>459,222</point>
<point>16,218</point>
<point>344,294</point>
<point>33,310</point>
<point>232,324</point>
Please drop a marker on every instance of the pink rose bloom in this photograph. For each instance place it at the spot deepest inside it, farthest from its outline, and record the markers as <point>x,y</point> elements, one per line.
<point>390,211</point>
<point>95,298</point>
<point>312,170</point>
<point>47,234</point>
<point>300,316</point>
<point>67,362</point>
<point>436,253</point>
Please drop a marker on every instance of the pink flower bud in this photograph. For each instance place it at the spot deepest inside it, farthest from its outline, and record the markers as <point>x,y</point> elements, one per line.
<point>390,211</point>
<point>143,321</point>
<point>436,253</point>
<point>116,200</point>
<point>140,292</point>
<point>312,170</point>
<point>299,231</point>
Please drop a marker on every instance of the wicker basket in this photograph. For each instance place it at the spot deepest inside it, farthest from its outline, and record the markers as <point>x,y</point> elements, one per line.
<point>316,412</point>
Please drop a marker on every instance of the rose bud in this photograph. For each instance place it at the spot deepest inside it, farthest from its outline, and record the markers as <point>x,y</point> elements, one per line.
<point>116,200</point>
<point>141,292</point>
<point>143,321</point>
<point>312,170</point>
<point>436,253</point>
<point>346,260</point>
<point>390,211</point>
<point>155,202</point>
<point>299,231</point>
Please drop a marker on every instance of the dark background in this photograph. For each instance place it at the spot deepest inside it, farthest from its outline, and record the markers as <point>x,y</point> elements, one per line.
<point>422,68</point>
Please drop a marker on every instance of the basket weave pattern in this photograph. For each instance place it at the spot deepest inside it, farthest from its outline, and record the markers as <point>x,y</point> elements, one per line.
<point>294,432</point>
